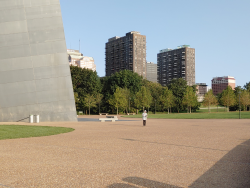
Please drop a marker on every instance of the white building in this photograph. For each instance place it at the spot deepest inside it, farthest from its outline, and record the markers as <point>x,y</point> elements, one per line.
<point>86,62</point>
<point>77,59</point>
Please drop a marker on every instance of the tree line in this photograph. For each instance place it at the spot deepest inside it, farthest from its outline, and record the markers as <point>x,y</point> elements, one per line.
<point>127,92</point>
<point>237,99</point>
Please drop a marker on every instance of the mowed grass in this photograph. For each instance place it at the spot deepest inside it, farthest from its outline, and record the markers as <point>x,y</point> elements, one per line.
<point>212,115</point>
<point>25,131</point>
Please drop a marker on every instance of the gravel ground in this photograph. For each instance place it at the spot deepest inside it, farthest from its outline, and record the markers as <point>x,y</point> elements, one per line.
<point>166,153</point>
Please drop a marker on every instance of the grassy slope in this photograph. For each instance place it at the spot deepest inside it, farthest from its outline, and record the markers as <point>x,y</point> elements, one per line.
<point>24,131</point>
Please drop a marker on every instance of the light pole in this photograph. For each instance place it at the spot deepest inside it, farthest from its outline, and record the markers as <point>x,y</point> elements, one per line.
<point>239,104</point>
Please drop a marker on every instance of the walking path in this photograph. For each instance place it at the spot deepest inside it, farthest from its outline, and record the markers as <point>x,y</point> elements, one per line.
<point>166,153</point>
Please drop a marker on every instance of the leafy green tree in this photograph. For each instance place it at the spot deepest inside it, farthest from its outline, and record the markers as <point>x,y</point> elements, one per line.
<point>167,99</point>
<point>123,79</point>
<point>143,98</point>
<point>228,97</point>
<point>156,91</point>
<point>189,98</point>
<point>84,81</point>
<point>178,87</point>
<point>245,99</point>
<point>118,99</point>
<point>128,97</point>
<point>247,86</point>
<point>209,99</point>
<point>98,99</point>
<point>89,101</point>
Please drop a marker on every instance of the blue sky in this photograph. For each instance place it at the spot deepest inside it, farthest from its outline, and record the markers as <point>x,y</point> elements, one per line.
<point>218,30</point>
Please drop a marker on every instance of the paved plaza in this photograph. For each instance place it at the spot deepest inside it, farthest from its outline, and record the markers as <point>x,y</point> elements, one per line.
<point>166,153</point>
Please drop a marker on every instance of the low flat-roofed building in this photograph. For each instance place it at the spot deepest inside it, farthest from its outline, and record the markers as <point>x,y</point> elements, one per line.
<point>221,83</point>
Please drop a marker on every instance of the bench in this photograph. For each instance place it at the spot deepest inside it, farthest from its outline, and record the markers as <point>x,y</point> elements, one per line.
<point>115,117</point>
<point>107,119</point>
<point>130,113</point>
<point>80,112</point>
<point>104,114</point>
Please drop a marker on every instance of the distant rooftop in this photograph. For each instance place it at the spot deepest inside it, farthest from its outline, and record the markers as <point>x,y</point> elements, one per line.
<point>116,37</point>
<point>223,77</point>
<point>178,47</point>
<point>201,84</point>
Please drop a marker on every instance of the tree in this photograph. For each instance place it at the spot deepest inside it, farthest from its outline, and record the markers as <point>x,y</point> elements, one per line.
<point>209,99</point>
<point>167,99</point>
<point>189,98</point>
<point>127,96</point>
<point>156,91</point>
<point>247,86</point>
<point>123,79</point>
<point>143,98</point>
<point>245,99</point>
<point>228,97</point>
<point>178,87</point>
<point>89,101</point>
<point>99,97</point>
<point>118,99</point>
<point>84,81</point>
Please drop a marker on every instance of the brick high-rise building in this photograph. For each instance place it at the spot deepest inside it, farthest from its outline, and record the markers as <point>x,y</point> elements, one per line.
<point>128,52</point>
<point>221,83</point>
<point>177,63</point>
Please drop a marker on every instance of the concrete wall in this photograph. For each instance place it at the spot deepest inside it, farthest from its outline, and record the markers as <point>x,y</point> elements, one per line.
<point>34,69</point>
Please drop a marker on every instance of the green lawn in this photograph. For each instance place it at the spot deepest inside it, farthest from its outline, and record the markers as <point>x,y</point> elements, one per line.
<point>212,115</point>
<point>25,131</point>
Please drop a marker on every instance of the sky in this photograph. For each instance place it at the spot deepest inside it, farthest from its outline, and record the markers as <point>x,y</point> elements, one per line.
<point>219,30</point>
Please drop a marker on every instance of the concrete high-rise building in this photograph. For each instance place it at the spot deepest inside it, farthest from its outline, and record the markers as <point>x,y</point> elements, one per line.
<point>201,91</point>
<point>221,83</point>
<point>151,72</point>
<point>34,70</point>
<point>128,52</point>
<point>77,59</point>
<point>176,63</point>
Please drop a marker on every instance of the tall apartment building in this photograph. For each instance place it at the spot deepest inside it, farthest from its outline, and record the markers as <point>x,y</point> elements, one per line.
<point>176,63</point>
<point>221,83</point>
<point>128,52</point>
<point>151,72</point>
<point>77,59</point>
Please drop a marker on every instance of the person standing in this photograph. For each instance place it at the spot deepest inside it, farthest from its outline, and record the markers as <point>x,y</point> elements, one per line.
<point>144,117</point>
